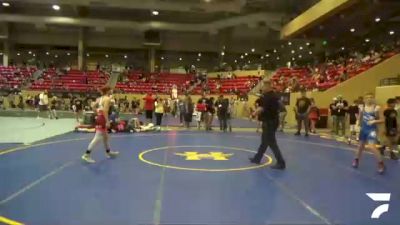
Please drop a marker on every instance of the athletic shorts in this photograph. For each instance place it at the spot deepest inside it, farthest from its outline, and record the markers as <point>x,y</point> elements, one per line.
<point>43,108</point>
<point>101,123</point>
<point>149,114</point>
<point>368,136</point>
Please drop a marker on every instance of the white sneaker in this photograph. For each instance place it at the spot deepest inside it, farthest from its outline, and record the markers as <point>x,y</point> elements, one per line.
<point>87,158</point>
<point>112,154</point>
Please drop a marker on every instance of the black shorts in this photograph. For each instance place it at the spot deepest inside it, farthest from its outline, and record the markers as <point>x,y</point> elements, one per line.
<point>43,108</point>
<point>149,114</point>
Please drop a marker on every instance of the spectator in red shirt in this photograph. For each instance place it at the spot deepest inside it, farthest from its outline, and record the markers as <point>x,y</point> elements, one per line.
<point>149,106</point>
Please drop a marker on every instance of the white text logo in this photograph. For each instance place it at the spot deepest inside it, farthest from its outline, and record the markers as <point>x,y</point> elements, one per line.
<point>379,197</point>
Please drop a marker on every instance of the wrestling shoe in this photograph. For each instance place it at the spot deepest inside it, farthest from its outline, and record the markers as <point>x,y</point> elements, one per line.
<point>255,161</point>
<point>112,154</point>
<point>87,158</point>
<point>278,166</point>
<point>355,163</point>
<point>381,168</point>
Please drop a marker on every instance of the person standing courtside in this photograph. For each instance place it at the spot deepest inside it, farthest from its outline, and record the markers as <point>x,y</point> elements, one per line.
<point>302,110</point>
<point>269,111</point>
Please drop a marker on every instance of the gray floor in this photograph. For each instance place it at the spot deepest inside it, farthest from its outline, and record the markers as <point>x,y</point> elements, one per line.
<point>29,129</point>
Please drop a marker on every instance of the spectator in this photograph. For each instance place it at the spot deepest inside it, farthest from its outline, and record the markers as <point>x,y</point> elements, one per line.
<point>149,107</point>
<point>210,113</point>
<point>159,110</point>
<point>222,111</point>
<point>313,116</point>
<point>391,128</point>
<point>341,107</point>
<point>181,108</point>
<point>333,113</point>
<point>302,110</point>
<point>353,112</point>
<point>43,103</point>
<point>282,115</point>
<point>188,111</point>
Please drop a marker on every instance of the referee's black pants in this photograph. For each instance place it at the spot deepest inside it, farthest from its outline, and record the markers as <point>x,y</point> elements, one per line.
<point>268,139</point>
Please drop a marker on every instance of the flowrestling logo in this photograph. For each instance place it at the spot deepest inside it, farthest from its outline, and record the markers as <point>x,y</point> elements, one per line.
<point>381,209</point>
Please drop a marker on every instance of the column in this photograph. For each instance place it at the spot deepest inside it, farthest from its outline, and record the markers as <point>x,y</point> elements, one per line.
<point>5,34</point>
<point>152,59</point>
<point>6,52</point>
<point>81,49</point>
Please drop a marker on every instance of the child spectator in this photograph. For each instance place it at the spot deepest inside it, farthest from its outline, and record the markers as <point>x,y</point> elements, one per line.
<point>391,128</point>
<point>353,112</point>
<point>313,116</point>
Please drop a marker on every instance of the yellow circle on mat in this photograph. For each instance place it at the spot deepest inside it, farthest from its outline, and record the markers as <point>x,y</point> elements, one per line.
<point>141,158</point>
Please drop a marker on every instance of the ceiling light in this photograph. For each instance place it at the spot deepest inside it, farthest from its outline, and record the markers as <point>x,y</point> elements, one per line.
<point>235,61</point>
<point>55,56</point>
<point>155,13</point>
<point>56,7</point>
<point>300,56</point>
<point>301,47</point>
<point>367,40</point>
<point>68,53</point>
<point>352,30</point>
<point>106,55</point>
<point>308,43</point>
<point>5,4</point>
<point>207,1</point>
<point>18,54</point>
<point>262,57</point>
<point>30,52</point>
<point>87,54</point>
<point>277,58</point>
<point>253,50</point>
<point>125,56</point>
<point>241,56</point>
<point>222,53</point>
<point>293,51</point>
<point>245,54</point>
<point>33,54</point>
<point>293,59</point>
<point>162,58</point>
<point>274,50</point>
<point>377,19</point>
<point>342,48</point>
<point>391,32</point>
<point>267,55</point>
<point>199,54</point>
<point>249,61</point>
<point>198,60</point>
<point>47,53</point>
<point>1,53</point>
<point>180,59</point>
<point>310,52</point>
<point>290,43</point>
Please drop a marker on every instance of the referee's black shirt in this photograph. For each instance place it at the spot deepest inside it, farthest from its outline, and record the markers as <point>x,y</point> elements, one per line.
<point>270,105</point>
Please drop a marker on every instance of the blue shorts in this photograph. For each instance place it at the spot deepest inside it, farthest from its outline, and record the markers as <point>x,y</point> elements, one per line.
<point>369,136</point>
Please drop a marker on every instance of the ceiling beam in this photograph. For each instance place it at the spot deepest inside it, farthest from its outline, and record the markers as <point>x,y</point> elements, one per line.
<point>234,6</point>
<point>272,20</point>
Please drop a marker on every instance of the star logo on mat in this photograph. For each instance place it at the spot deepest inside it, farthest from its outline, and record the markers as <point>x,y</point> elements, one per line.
<point>195,156</point>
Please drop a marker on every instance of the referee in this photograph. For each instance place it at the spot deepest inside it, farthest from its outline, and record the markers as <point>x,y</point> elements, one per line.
<point>269,113</point>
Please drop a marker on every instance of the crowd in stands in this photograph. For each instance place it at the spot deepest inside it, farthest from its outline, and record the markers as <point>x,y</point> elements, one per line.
<point>326,75</point>
<point>13,77</point>
<point>70,80</point>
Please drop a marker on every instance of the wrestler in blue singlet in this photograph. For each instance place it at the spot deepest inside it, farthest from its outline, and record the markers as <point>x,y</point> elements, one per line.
<point>368,132</point>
